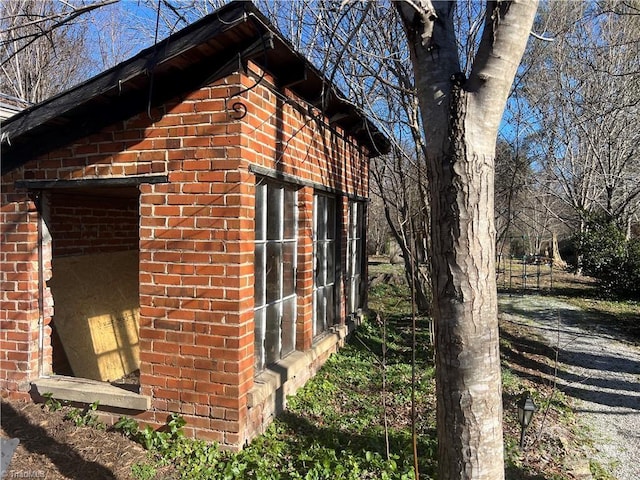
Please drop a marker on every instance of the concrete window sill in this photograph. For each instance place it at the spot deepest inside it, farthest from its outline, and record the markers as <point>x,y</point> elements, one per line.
<point>87,391</point>
<point>276,375</point>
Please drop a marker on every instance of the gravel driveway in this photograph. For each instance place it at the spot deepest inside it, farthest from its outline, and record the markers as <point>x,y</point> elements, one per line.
<point>598,369</point>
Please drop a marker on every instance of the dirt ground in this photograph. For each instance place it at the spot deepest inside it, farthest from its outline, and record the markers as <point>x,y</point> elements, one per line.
<point>54,448</point>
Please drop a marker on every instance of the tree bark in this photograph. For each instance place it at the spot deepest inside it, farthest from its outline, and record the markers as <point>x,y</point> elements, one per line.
<point>461,119</point>
<point>555,252</point>
<point>413,276</point>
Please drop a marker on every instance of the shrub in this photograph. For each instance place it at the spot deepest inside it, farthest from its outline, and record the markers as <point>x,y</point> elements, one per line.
<point>608,256</point>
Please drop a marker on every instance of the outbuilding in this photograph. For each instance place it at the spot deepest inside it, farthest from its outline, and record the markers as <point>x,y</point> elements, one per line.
<point>185,232</point>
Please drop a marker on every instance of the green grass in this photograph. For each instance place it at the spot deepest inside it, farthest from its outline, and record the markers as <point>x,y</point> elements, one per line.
<point>334,427</point>
<point>622,315</point>
<point>384,267</point>
<point>599,472</point>
<point>390,299</point>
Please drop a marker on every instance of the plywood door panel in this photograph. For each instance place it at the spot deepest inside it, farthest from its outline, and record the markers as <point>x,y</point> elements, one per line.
<point>96,313</point>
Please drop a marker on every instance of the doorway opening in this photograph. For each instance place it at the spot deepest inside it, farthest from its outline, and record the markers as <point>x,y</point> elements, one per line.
<point>94,233</point>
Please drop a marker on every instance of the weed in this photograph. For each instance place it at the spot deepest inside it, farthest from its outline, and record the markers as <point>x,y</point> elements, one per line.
<point>599,472</point>
<point>52,404</point>
<point>128,427</point>
<point>161,440</point>
<point>86,417</point>
<point>143,471</point>
<point>511,384</point>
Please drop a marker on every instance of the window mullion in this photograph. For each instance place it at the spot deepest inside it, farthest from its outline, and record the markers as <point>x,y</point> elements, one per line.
<point>281,273</point>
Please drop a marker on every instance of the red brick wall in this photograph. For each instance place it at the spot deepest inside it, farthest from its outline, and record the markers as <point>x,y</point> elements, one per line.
<point>304,327</point>
<point>196,241</point>
<point>81,224</point>
<point>19,310</point>
<point>293,140</point>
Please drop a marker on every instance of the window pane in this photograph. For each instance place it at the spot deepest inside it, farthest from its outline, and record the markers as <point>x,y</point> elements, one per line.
<point>260,212</point>
<point>258,343</point>
<point>320,311</point>
<point>354,300</point>
<point>320,264</point>
<point>330,307</point>
<point>331,218</point>
<point>258,269</point>
<point>288,326</point>
<point>352,261</point>
<point>272,335</point>
<point>288,269</point>
<point>351,300</point>
<point>353,210</point>
<point>358,258</point>
<point>274,212</point>
<point>330,253</point>
<point>321,210</point>
<point>273,265</point>
<point>289,214</point>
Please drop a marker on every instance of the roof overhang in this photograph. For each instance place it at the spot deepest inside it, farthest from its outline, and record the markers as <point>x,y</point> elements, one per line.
<point>201,53</point>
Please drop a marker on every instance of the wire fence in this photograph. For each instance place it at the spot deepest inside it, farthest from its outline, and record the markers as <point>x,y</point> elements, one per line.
<point>523,274</point>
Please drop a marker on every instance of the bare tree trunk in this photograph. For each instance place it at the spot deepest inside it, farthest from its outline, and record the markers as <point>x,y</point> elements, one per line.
<point>415,279</point>
<point>555,252</point>
<point>461,119</point>
<point>398,183</point>
<point>465,311</point>
<point>579,256</point>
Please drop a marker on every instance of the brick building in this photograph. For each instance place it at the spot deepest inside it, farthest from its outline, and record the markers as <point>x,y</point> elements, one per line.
<point>185,231</point>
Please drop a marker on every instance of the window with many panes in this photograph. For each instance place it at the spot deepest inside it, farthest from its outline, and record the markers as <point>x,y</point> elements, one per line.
<point>324,262</point>
<point>276,231</point>
<point>355,255</point>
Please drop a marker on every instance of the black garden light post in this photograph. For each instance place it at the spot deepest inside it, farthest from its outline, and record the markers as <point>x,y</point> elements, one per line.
<point>526,409</point>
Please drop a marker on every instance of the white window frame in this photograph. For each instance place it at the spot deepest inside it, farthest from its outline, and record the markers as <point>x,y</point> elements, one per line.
<point>271,348</point>
<point>326,291</point>
<point>355,254</point>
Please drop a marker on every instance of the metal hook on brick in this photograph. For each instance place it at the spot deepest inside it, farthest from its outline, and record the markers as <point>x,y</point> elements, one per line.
<point>239,110</point>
